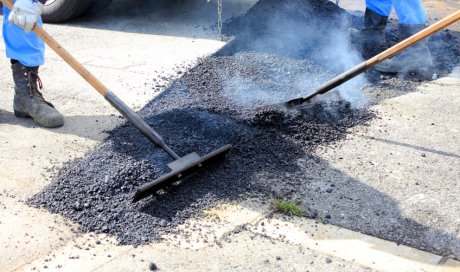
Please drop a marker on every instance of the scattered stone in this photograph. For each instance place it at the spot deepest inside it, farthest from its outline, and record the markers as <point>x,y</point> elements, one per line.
<point>153,266</point>
<point>313,214</point>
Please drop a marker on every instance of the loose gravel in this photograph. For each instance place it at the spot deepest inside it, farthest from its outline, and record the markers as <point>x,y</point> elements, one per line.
<point>194,114</point>
<point>226,99</point>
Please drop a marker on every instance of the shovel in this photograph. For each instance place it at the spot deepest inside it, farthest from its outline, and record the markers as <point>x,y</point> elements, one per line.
<point>180,167</point>
<point>307,101</point>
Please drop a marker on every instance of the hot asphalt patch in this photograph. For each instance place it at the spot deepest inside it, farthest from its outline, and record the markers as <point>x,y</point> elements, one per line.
<point>225,100</point>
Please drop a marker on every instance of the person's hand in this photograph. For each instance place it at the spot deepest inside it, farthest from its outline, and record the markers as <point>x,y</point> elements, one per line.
<point>26,13</point>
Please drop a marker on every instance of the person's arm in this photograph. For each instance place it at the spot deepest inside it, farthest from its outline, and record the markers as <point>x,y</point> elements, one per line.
<point>25,13</point>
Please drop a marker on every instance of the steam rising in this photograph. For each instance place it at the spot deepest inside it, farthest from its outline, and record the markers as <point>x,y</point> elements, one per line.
<point>266,78</point>
<point>300,45</point>
<point>339,55</point>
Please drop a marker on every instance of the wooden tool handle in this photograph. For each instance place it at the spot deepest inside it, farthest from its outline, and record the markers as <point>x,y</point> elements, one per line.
<point>66,56</point>
<point>390,52</point>
<point>363,66</point>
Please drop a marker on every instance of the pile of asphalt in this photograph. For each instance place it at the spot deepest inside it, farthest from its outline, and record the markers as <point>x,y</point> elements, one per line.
<point>226,99</point>
<point>295,28</point>
<point>195,114</point>
<point>300,28</point>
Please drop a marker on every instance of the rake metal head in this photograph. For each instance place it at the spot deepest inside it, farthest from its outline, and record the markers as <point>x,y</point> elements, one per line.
<point>180,168</point>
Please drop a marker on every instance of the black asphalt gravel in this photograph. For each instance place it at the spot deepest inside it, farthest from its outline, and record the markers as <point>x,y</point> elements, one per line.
<point>226,99</point>
<point>194,114</point>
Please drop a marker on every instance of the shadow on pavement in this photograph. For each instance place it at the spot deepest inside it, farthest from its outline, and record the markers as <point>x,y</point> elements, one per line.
<point>192,19</point>
<point>281,170</point>
<point>93,127</point>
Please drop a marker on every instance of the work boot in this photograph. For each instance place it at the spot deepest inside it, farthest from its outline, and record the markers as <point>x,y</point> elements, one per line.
<point>372,36</point>
<point>374,28</point>
<point>416,58</point>
<point>29,101</point>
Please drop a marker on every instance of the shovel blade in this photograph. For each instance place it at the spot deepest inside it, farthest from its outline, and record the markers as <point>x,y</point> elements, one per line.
<point>180,168</point>
<point>310,101</point>
<point>296,104</point>
<point>299,104</point>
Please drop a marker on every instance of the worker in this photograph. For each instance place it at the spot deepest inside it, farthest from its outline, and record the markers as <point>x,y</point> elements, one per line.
<point>412,19</point>
<point>26,52</point>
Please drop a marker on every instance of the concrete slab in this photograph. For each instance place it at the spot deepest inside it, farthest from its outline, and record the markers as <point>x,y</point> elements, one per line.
<point>283,243</point>
<point>352,246</point>
<point>237,255</point>
<point>27,234</point>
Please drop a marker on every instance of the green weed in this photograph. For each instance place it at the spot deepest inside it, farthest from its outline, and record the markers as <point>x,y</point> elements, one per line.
<point>288,207</point>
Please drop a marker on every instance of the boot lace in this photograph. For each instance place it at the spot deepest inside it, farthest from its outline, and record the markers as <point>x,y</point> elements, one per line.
<point>35,85</point>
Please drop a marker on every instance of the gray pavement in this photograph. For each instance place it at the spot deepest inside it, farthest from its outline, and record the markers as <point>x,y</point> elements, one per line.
<point>407,162</point>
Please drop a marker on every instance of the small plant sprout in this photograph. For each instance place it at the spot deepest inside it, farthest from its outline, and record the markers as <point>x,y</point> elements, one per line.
<point>288,207</point>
